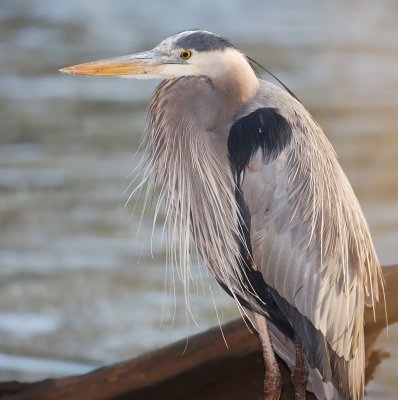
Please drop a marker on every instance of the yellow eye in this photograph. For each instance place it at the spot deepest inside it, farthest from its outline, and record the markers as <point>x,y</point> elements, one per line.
<point>185,54</point>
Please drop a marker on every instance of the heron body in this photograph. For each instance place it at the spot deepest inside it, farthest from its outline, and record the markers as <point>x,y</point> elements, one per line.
<point>245,170</point>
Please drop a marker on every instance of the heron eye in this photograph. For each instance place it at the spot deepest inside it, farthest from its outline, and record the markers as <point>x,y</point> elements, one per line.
<point>185,54</point>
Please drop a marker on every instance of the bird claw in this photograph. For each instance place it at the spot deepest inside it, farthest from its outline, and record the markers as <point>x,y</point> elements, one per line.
<point>300,385</point>
<point>300,373</point>
<point>273,387</point>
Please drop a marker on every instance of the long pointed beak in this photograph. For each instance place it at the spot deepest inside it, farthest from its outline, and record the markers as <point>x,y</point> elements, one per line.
<point>145,63</point>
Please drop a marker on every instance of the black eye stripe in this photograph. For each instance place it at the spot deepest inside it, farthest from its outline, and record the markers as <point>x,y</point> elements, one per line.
<point>202,41</point>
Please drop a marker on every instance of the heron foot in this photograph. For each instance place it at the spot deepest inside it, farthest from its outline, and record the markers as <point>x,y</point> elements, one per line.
<point>300,373</point>
<point>272,385</point>
<point>273,380</point>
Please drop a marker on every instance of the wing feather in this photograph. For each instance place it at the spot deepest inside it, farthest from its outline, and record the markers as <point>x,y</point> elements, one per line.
<point>312,244</point>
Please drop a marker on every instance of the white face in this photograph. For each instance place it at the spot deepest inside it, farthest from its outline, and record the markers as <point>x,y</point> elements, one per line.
<point>213,64</point>
<point>196,53</point>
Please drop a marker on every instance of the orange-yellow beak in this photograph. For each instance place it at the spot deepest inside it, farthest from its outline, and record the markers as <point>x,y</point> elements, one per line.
<point>147,64</point>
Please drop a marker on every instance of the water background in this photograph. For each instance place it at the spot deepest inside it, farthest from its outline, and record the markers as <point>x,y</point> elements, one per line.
<point>79,286</point>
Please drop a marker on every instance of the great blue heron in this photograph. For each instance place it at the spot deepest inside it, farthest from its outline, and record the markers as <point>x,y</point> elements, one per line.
<point>245,170</point>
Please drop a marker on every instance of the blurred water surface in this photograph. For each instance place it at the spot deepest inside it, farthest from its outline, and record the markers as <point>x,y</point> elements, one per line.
<point>79,286</point>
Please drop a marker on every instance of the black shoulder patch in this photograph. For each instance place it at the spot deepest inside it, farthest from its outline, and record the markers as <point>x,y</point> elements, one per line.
<point>264,128</point>
<point>203,41</point>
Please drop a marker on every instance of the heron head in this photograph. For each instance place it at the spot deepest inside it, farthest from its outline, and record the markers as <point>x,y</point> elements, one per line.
<point>187,53</point>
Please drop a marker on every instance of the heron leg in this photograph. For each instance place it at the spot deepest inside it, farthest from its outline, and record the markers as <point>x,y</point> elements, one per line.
<point>300,373</point>
<point>272,381</point>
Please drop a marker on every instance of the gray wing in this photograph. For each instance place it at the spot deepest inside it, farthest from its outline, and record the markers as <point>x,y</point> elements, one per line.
<point>288,251</point>
<point>309,238</point>
<point>325,309</point>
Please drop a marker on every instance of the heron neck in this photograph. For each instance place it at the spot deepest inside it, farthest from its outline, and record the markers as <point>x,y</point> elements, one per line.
<point>238,82</point>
